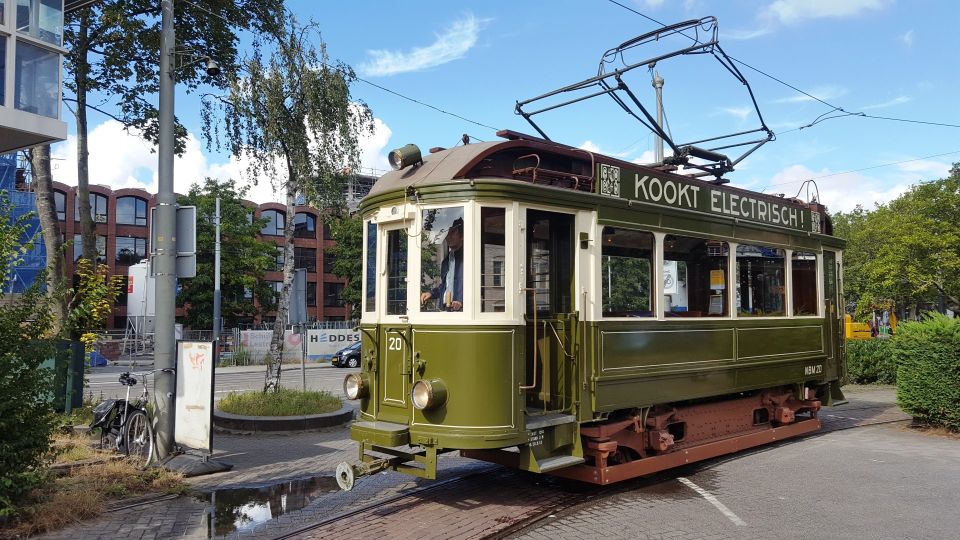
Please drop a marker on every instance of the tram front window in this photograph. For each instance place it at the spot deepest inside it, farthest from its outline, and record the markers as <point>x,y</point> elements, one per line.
<point>760,281</point>
<point>627,273</point>
<point>397,272</point>
<point>370,303</point>
<point>441,260</point>
<point>804,268</point>
<point>694,277</point>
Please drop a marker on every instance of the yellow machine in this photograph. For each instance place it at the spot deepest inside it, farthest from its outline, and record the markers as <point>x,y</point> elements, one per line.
<point>882,323</point>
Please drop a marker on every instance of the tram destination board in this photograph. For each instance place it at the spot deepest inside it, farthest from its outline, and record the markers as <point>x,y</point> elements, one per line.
<point>677,192</point>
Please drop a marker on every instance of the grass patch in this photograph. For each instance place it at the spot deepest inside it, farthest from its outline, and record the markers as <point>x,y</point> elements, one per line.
<point>69,447</point>
<point>84,493</point>
<point>286,402</point>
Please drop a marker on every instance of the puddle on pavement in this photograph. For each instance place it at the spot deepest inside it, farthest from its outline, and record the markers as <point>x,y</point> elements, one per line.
<point>242,509</point>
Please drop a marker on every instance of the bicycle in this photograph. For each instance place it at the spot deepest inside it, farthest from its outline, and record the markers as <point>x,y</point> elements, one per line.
<point>126,424</point>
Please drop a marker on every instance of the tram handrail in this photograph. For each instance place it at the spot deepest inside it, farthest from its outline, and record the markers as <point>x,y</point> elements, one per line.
<point>535,347</point>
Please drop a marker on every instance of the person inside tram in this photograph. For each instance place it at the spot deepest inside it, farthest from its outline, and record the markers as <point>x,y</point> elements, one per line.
<point>450,289</point>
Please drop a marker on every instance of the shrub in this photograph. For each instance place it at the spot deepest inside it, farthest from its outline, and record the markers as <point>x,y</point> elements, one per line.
<point>284,402</point>
<point>928,370</point>
<point>871,362</point>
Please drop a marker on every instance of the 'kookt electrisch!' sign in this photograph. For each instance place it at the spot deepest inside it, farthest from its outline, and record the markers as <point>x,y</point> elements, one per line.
<point>637,186</point>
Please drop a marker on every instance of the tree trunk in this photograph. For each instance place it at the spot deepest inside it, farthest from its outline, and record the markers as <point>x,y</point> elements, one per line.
<point>283,306</point>
<point>47,210</point>
<point>88,233</point>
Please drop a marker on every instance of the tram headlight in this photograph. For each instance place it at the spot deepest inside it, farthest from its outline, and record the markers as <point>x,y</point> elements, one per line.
<point>356,386</point>
<point>428,394</point>
<point>407,155</point>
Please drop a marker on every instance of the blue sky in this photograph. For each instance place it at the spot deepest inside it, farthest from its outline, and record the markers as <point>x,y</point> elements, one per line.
<point>476,59</point>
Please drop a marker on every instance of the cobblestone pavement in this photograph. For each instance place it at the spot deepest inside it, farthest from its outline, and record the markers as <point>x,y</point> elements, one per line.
<point>777,490</point>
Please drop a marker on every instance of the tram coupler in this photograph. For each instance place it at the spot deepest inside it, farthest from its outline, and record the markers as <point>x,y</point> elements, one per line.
<point>347,474</point>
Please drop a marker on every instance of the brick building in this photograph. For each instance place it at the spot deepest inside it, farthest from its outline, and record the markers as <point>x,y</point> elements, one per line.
<point>121,218</point>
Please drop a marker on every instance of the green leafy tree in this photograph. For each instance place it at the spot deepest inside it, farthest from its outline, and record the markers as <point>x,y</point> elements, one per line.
<point>907,250</point>
<point>26,326</point>
<point>347,232</point>
<point>112,65</point>
<point>289,112</point>
<point>244,258</point>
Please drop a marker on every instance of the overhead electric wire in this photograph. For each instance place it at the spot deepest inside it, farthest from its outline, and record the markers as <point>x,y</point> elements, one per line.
<point>860,170</point>
<point>794,88</point>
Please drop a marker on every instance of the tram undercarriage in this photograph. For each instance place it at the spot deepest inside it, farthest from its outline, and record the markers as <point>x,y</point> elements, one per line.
<point>661,438</point>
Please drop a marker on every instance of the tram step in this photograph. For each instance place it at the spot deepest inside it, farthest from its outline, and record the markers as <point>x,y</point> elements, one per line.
<point>547,420</point>
<point>558,462</point>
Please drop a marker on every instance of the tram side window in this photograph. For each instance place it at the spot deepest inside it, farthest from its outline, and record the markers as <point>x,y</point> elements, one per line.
<point>492,257</point>
<point>441,260</point>
<point>397,272</point>
<point>627,272</point>
<point>694,277</point>
<point>804,268</point>
<point>370,302</point>
<point>760,281</point>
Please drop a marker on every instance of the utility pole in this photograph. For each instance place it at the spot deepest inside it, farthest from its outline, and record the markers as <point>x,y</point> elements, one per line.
<point>658,141</point>
<point>216,278</point>
<point>165,257</point>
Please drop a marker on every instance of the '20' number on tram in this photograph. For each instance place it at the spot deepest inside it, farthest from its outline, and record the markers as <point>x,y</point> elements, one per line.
<point>394,344</point>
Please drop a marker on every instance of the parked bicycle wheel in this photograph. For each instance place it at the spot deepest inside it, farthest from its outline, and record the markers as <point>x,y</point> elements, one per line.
<point>139,436</point>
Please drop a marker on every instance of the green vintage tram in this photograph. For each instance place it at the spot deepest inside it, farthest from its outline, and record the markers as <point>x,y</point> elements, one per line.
<point>565,312</point>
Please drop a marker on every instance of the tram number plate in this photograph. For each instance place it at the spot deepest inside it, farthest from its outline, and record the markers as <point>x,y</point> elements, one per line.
<point>535,437</point>
<point>813,370</point>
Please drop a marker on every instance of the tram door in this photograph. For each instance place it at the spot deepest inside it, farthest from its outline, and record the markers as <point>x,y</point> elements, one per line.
<point>550,318</point>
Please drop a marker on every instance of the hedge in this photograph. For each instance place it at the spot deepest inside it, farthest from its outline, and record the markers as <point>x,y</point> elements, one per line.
<point>928,370</point>
<point>870,361</point>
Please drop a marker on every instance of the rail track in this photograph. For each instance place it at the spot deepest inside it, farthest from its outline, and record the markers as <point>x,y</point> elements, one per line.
<point>498,503</point>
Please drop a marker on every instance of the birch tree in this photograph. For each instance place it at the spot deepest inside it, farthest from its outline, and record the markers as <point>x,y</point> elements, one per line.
<point>290,116</point>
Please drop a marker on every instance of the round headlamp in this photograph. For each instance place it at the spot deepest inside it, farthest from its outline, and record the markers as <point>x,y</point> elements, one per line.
<point>428,394</point>
<point>355,386</point>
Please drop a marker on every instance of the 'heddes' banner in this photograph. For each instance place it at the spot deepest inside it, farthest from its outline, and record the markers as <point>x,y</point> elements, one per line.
<point>324,343</point>
<point>193,421</point>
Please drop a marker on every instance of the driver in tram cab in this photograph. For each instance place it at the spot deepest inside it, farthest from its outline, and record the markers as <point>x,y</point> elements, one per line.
<point>450,289</point>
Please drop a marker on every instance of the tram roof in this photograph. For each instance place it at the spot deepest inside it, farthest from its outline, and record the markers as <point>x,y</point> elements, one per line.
<point>437,168</point>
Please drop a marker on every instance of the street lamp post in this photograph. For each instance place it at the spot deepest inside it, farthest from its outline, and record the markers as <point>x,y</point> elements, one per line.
<point>165,247</point>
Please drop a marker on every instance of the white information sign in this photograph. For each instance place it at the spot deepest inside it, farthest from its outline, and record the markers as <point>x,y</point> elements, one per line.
<point>193,425</point>
<point>670,285</point>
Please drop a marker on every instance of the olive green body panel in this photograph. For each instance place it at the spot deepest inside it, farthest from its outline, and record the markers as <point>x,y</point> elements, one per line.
<point>480,367</point>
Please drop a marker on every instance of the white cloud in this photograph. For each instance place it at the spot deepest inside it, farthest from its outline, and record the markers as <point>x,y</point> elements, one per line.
<point>451,45</point>
<point>840,193</point>
<point>645,157</point>
<point>122,159</point>
<point>741,113</point>
<point>890,103</point>
<point>932,170</point>
<point>907,38</point>
<point>652,4</point>
<point>741,35</point>
<point>794,11</point>
<point>822,92</point>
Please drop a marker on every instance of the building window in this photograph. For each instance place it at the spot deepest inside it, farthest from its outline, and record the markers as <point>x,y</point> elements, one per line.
<point>492,253</point>
<point>276,222</point>
<point>760,281</point>
<point>37,85</point>
<point>694,277</point>
<point>326,232</point>
<point>305,258</point>
<point>328,262</point>
<point>130,250</point>
<point>59,198</point>
<point>804,268</point>
<point>311,294</point>
<point>626,273</point>
<point>331,294</point>
<point>277,288</point>
<point>304,225</point>
<point>3,63</point>
<point>98,208</point>
<point>121,299</point>
<point>41,19</point>
<point>131,211</point>
<point>101,248</point>
<point>278,265</point>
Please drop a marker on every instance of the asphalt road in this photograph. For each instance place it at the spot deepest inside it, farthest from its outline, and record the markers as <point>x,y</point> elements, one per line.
<point>104,382</point>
